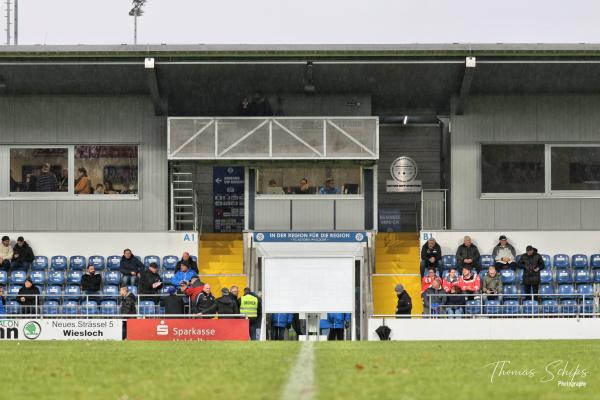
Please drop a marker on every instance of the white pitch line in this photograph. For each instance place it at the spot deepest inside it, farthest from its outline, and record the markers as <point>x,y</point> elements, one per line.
<point>301,382</point>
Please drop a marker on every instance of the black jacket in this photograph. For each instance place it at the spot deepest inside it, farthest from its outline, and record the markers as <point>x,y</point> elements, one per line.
<point>191,264</point>
<point>226,305</point>
<point>128,304</point>
<point>91,283</point>
<point>427,253</point>
<point>432,296</point>
<point>130,265</point>
<point>456,300</point>
<point>471,252</point>
<point>205,304</point>
<point>237,300</point>
<point>28,294</point>
<point>147,279</point>
<point>173,304</point>
<point>529,264</point>
<point>25,253</point>
<point>404,306</point>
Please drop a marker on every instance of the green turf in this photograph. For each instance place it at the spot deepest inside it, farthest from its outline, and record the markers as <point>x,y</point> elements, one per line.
<point>359,370</point>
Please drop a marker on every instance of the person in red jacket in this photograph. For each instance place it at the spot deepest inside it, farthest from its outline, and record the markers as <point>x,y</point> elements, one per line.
<point>192,289</point>
<point>429,278</point>
<point>450,281</point>
<point>469,282</point>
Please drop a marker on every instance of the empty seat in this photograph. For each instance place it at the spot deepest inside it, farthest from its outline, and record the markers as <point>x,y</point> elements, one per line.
<point>519,277</point>
<point>579,261</point>
<point>566,291</point>
<point>595,261</point>
<point>50,307</point>
<point>546,259</point>
<point>108,307</point>
<point>448,262</point>
<point>133,289</point>
<point>39,263</point>
<point>89,308</point>
<point>74,277</point>
<point>492,307</point>
<point>73,292</point>
<point>113,263</point>
<point>510,307</point>
<point>56,277</point>
<point>112,278</point>
<point>70,307</point>
<point>58,263</point>
<point>546,292</point>
<point>53,292</point>
<point>77,262</point>
<point>110,291</point>
<point>510,292</point>
<point>486,261</point>
<point>587,306</point>
<point>170,262</point>
<point>147,307</point>
<point>167,276</point>
<point>164,289</point>
<point>550,306</point>
<point>13,290</point>
<point>546,275</point>
<point>151,259</point>
<point>583,276</point>
<point>3,277</point>
<point>585,290</point>
<point>568,306</point>
<point>38,277</point>
<point>564,276</point>
<point>561,261</point>
<point>18,277</point>
<point>507,276</point>
<point>597,275</point>
<point>97,262</point>
<point>12,307</point>
<point>474,307</point>
<point>530,307</point>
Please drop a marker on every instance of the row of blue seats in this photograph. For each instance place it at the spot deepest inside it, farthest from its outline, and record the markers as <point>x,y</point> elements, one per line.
<point>549,306</point>
<point>56,263</point>
<point>547,276</point>
<point>71,307</point>
<point>577,261</point>
<point>566,291</point>
<point>69,277</point>
<point>74,292</point>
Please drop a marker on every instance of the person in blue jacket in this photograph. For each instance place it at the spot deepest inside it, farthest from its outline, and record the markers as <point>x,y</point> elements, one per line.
<point>184,274</point>
<point>337,323</point>
<point>2,302</point>
<point>279,323</point>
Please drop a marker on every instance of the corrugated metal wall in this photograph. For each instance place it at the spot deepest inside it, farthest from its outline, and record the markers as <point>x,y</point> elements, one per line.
<point>510,119</point>
<point>89,120</point>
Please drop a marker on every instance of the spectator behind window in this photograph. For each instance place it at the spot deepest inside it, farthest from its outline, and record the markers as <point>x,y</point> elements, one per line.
<point>83,185</point>
<point>46,181</point>
<point>99,189</point>
<point>274,188</point>
<point>329,187</point>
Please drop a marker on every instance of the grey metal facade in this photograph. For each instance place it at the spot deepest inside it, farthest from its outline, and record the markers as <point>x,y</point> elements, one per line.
<point>510,119</point>
<point>89,120</point>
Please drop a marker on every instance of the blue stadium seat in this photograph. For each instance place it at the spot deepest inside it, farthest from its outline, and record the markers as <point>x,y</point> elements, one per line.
<point>597,275</point>
<point>585,289</point>
<point>566,291</point>
<point>486,261</point>
<point>507,276</point>
<point>448,261</point>
<point>89,308</point>
<point>546,292</point>
<point>73,292</point>
<point>561,261</point>
<point>70,307</point>
<point>108,307</point>
<point>587,306</point>
<point>492,307</point>
<point>164,289</point>
<point>110,291</point>
<point>546,275</point>
<point>74,277</point>
<point>481,274</point>
<point>510,292</point>
<point>3,277</point>
<point>550,306</point>
<point>97,262</point>
<point>56,277</point>
<point>583,276</point>
<point>133,289</point>
<point>53,292</point>
<point>546,259</point>
<point>170,262</point>
<point>112,278</point>
<point>530,307</point>
<point>595,260</point>
<point>77,263</point>
<point>58,263</point>
<point>579,261</point>
<point>38,277</point>
<point>39,263</point>
<point>13,290</point>
<point>519,277</point>
<point>12,307</point>
<point>510,307</point>
<point>18,277</point>
<point>568,306</point>
<point>167,275</point>
<point>113,263</point>
<point>50,307</point>
<point>147,307</point>
<point>564,276</point>
<point>150,259</point>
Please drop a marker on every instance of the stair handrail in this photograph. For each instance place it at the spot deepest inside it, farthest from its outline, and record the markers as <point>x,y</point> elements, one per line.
<point>172,197</point>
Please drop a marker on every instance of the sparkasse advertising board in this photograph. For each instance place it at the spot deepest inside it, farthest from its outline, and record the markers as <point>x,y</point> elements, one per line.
<point>187,329</point>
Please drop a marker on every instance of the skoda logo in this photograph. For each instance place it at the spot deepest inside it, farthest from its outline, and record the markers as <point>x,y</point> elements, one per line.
<point>260,237</point>
<point>404,169</point>
<point>358,237</point>
<point>32,330</point>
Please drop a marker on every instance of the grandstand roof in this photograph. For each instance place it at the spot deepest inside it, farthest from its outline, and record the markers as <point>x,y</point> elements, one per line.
<point>415,78</point>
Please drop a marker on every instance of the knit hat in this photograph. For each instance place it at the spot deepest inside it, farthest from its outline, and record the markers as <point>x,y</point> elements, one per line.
<point>171,290</point>
<point>399,288</point>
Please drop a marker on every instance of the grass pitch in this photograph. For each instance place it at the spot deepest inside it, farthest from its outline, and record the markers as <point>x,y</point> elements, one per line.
<point>342,370</point>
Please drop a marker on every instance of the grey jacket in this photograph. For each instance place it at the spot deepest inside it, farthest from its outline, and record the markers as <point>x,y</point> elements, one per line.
<point>434,296</point>
<point>509,247</point>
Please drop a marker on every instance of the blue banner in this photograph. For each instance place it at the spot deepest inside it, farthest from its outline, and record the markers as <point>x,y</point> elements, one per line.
<point>389,220</point>
<point>228,193</point>
<point>323,237</point>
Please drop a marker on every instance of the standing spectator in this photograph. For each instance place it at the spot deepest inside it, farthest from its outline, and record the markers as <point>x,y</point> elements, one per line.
<point>46,181</point>
<point>504,255</point>
<point>250,306</point>
<point>434,298</point>
<point>467,255</point>
<point>431,254</point>
<point>279,323</point>
<point>173,303</point>
<point>455,304</point>
<point>532,263</point>
<point>127,301</point>
<point>130,268</point>
<point>83,184</point>
<point>337,323</point>
<point>450,281</point>
<point>469,282</point>
<point>205,302</point>
<point>226,305</point>
<point>428,280</point>
<point>22,255</point>
<point>187,260</point>
<point>28,297</point>
<point>6,253</point>
<point>234,292</point>
<point>150,283</point>
<point>404,306</point>
<point>90,283</point>
<point>183,275</point>
<point>492,284</point>
<point>192,289</point>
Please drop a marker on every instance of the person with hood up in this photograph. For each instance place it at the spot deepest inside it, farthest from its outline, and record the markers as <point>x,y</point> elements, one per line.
<point>226,305</point>
<point>450,281</point>
<point>532,263</point>
<point>22,255</point>
<point>404,306</point>
<point>504,255</point>
<point>173,303</point>
<point>279,323</point>
<point>434,299</point>
<point>431,255</point>
<point>28,297</point>
<point>130,268</point>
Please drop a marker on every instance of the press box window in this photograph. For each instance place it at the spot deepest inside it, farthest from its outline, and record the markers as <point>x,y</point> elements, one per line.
<point>106,170</point>
<point>575,168</point>
<point>40,170</point>
<point>309,180</point>
<point>508,168</point>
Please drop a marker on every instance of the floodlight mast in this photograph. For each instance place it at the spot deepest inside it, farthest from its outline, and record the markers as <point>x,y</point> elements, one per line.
<point>8,22</point>
<point>136,12</point>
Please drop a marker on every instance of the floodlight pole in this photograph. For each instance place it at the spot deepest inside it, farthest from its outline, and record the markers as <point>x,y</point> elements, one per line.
<point>8,22</point>
<point>16,22</point>
<point>135,28</point>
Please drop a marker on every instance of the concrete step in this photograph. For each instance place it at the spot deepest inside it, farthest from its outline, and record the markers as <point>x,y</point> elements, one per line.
<point>397,268</point>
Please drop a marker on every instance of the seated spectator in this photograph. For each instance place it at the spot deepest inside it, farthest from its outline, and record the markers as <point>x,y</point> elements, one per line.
<point>455,304</point>
<point>467,255</point>
<point>46,180</point>
<point>22,255</point>
<point>404,305</point>
<point>426,281</point>
<point>451,280</point>
<point>150,283</point>
<point>226,305</point>
<point>173,303</point>
<point>83,184</point>
<point>6,254</point>
<point>280,322</point>
<point>337,323</point>
<point>130,268</point>
<point>205,303</point>
<point>187,260</point>
<point>434,298</point>
<point>469,282</point>
<point>99,189</point>
<point>329,187</point>
<point>274,188</point>
<point>504,255</point>
<point>127,301</point>
<point>234,292</point>
<point>192,289</point>
<point>532,263</point>
<point>431,254</point>
<point>184,274</point>
<point>90,284</point>
<point>108,188</point>
<point>2,302</point>
<point>28,297</point>
<point>304,187</point>
<point>492,284</point>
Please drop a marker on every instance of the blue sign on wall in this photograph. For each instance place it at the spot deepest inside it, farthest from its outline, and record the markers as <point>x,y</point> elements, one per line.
<point>351,237</point>
<point>228,193</point>
<point>389,220</point>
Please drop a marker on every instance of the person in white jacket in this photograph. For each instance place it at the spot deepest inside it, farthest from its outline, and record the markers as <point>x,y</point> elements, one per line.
<point>504,255</point>
<point>6,253</point>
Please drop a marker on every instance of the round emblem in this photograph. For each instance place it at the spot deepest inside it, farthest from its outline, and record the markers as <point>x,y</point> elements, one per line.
<point>359,237</point>
<point>404,169</point>
<point>32,330</point>
<point>260,237</point>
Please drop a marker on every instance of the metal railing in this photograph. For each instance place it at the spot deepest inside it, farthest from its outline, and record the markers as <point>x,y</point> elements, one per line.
<point>434,209</point>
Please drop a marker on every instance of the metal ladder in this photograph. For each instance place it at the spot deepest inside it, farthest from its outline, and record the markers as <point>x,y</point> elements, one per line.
<point>184,205</point>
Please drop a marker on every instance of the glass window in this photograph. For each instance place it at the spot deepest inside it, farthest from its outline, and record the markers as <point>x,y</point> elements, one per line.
<point>512,168</point>
<point>106,170</point>
<point>39,169</point>
<point>575,168</point>
<point>309,180</point>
